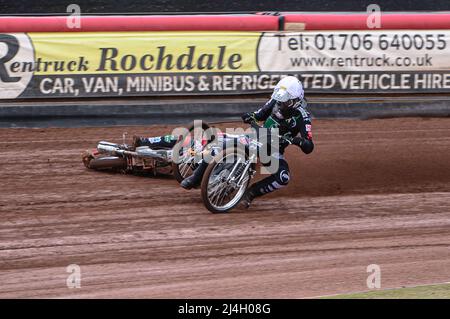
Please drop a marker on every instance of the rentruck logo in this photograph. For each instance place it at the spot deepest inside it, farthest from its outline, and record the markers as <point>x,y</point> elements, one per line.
<point>16,50</point>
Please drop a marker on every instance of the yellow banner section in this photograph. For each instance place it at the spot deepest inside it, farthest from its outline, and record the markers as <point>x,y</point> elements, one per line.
<point>144,52</point>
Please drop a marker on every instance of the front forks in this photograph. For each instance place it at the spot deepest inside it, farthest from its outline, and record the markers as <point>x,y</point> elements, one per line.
<point>241,172</point>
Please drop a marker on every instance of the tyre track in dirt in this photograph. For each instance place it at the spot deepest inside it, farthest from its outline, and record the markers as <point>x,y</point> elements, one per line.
<point>372,192</point>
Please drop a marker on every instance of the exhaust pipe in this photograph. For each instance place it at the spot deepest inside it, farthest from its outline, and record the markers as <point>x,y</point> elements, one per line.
<point>106,147</point>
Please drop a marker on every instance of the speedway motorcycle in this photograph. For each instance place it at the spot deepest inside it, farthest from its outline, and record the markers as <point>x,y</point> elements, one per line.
<point>145,160</point>
<point>230,171</point>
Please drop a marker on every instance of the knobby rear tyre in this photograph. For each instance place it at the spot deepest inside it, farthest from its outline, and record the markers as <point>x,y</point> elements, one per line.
<point>110,162</point>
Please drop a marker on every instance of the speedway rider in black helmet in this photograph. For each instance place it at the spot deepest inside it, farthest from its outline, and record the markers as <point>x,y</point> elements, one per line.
<point>286,110</point>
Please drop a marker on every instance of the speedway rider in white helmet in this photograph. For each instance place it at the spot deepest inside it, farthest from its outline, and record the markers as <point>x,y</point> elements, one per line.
<point>286,110</point>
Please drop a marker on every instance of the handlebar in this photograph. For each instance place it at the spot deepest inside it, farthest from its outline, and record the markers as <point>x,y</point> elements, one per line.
<point>255,125</point>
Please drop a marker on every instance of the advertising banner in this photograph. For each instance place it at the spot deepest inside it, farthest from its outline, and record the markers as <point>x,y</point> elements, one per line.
<point>109,64</point>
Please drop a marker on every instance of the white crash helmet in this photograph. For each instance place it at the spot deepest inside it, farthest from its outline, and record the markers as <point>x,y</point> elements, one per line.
<point>289,95</point>
<point>289,88</point>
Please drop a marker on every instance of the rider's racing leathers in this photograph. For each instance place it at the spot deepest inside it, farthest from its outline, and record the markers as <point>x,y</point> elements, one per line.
<point>157,142</point>
<point>297,127</point>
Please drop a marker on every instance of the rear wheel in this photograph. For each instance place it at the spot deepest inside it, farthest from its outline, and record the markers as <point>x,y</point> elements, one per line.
<point>87,157</point>
<point>104,162</point>
<point>225,181</point>
<point>187,163</point>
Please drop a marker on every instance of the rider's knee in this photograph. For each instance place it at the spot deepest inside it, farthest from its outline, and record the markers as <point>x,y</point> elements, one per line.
<point>283,177</point>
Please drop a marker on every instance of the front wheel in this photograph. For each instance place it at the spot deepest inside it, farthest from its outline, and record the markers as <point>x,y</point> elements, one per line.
<point>187,165</point>
<point>225,181</point>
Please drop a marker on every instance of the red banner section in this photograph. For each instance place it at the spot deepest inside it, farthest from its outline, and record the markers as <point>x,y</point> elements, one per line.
<point>244,22</point>
<point>354,21</point>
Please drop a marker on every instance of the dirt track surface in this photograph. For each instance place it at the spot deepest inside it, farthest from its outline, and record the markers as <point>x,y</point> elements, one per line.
<point>372,192</point>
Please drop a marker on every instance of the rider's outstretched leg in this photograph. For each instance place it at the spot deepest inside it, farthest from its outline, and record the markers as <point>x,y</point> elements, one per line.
<point>196,178</point>
<point>269,184</point>
<point>157,142</point>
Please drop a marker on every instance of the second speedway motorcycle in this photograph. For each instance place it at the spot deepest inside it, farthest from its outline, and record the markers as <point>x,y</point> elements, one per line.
<point>144,160</point>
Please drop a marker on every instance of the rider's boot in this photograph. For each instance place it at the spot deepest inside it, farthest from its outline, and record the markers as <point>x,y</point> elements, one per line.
<point>247,198</point>
<point>196,178</point>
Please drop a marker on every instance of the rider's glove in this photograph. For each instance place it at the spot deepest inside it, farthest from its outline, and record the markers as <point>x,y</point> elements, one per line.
<point>297,141</point>
<point>248,117</point>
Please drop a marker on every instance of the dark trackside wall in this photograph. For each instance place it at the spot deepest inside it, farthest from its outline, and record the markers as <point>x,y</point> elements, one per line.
<point>142,6</point>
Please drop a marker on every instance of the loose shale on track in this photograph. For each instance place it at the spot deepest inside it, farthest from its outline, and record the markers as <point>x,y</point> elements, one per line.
<point>372,192</point>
